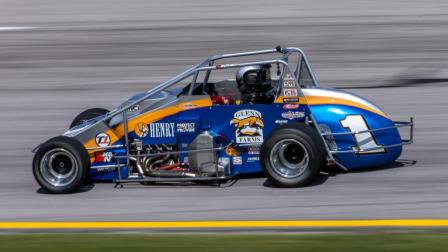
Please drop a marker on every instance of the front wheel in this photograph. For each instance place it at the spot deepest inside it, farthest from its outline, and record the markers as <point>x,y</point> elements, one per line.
<point>60,165</point>
<point>293,155</point>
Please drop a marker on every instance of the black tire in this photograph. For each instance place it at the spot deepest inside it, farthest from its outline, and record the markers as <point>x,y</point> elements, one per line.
<point>289,145</point>
<point>87,115</point>
<point>68,158</point>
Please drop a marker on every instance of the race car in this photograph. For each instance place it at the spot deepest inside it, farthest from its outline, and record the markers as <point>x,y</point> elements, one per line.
<point>220,119</point>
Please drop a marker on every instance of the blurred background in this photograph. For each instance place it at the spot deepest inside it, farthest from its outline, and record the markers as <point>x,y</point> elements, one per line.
<point>58,58</point>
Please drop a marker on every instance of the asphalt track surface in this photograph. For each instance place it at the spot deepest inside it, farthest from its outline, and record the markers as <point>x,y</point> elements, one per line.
<point>57,59</point>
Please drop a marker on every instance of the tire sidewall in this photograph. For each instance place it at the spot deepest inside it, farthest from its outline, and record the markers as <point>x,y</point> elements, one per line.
<point>310,139</point>
<point>81,158</point>
<point>88,114</point>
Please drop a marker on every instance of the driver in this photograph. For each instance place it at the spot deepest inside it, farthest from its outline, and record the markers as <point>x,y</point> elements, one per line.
<point>254,84</point>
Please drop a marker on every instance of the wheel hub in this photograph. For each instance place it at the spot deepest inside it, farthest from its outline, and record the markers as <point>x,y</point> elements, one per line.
<point>293,153</point>
<point>58,167</point>
<point>289,158</point>
<point>62,164</point>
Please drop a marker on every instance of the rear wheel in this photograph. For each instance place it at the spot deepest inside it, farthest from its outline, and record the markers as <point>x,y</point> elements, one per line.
<point>87,115</point>
<point>293,155</point>
<point>60,165</point>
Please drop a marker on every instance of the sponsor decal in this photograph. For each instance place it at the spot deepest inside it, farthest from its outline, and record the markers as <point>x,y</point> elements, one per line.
<point>186,127</point>
<point>134,108</point>
<point>253,159</point>
<point>104,169</point>
<point>188,105</point>
<point>291,106</point>
<point>230,151</point>
<point>161,130</point>
<point>103,157</point>
<point>248,126</point>
<point>102,140</point>
<point>238,160</point>
<point>290,115</point>
<point>288,81</point>
<point>141,129</point>
<point>253,150</point>
<point>286,100</point>
<point>107,156</point>
<point>289,84</point>
<point>281,121</point>
<point>290,92</point>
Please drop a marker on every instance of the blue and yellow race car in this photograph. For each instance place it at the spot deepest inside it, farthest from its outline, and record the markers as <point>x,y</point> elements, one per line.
<point>220,119</point>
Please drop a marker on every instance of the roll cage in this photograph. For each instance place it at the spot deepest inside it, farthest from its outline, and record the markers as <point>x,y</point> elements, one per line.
<point>209,65</point>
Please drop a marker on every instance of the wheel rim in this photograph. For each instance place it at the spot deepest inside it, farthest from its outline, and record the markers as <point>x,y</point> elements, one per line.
<point>58,167</point>
<point>289,158</point>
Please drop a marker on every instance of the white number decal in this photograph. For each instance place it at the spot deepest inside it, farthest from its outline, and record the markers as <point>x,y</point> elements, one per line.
<point>356,123</point>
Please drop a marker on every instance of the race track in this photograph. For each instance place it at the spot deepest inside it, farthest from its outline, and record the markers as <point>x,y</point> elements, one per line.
<point>57,59</point>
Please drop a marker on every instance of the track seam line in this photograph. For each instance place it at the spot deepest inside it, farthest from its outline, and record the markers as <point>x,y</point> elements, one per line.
<point>15,28</point>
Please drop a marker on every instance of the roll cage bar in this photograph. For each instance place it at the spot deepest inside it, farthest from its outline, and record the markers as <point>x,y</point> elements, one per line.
<point>286,53</point>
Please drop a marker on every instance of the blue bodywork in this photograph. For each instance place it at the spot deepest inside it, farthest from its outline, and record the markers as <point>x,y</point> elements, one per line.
<point>217,119</point>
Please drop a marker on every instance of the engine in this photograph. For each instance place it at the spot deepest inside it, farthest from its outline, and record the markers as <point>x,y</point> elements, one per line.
<point>157,160</point>
<point>163,160</point>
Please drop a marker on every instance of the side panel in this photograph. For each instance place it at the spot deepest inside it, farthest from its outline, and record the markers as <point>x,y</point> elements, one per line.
<point>245,125</point>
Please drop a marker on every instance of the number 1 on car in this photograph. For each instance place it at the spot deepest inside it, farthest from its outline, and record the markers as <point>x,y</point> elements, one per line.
<point>366,140</point>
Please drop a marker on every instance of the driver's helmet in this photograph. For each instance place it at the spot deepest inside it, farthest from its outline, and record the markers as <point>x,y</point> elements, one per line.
<point>253,78</point>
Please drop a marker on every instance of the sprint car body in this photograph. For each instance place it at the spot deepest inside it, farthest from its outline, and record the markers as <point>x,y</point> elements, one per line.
<point>204,131</point>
